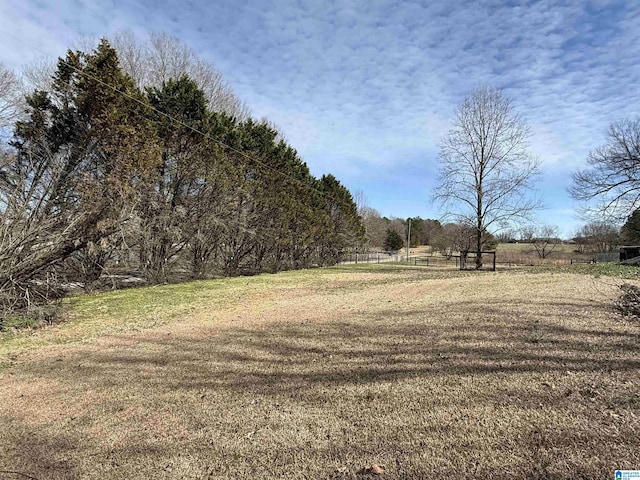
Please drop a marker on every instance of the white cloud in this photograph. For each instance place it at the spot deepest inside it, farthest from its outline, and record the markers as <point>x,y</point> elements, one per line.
<point>362,86</point>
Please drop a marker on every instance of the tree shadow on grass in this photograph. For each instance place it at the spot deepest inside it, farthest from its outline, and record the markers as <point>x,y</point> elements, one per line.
<point>495,357</point>
<point>40,455</point>
<point>299,356</point>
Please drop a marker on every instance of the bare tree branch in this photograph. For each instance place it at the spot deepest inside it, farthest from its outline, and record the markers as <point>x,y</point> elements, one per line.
<point>10,98</point>
<point>165,57</point>
<point>485,169</point>
<point>612,178</point>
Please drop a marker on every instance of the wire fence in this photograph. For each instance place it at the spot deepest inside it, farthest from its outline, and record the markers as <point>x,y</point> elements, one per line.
<point>505,260</point>
<point>395,257</point>
<point>373,257</point>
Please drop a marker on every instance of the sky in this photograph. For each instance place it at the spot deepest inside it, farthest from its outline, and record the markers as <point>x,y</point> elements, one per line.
<point>366,89</point>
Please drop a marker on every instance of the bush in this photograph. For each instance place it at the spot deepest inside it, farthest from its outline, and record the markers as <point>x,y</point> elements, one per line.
<point>30,304</point>
<point>629,301</point>
<point>32,318</point>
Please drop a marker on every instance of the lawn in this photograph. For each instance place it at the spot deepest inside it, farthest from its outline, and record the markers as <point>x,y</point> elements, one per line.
<point>319,374</point>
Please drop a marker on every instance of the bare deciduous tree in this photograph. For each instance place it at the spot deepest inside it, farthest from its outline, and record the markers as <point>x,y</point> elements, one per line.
<point>38,75</point>
<point>165,57</point>
<point>507,235</point>
<point>430,229</point>
<point>453,238</point>
<point>485,169</point>
<point>362,202</point>
<point>612,177</point>
<point>10,88</point>
<point>150,64</point>
<point>596,237</point>
<point>375,226</point>
<point>545,239</point>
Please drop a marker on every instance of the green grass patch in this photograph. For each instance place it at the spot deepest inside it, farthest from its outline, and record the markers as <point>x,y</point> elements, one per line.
<point>84,317</point>
<point>20,322</point>
<point>87,316</point>
<point>627,272</point>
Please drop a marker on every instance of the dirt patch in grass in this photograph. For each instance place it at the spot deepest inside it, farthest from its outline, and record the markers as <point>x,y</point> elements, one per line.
<point>320,374</point>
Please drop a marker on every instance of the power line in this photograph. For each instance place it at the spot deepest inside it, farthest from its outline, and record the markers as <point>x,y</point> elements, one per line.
<point>258,163</point>
<point>179,122</point>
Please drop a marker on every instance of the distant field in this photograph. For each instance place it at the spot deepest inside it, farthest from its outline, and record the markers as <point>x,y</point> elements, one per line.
<point>528,247</point>
<point>512,254</point>
<point>433,373</point>
<point>526,254</point>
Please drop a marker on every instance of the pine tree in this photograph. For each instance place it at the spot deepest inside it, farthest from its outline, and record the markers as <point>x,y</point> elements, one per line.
<point>394,241</point>
<point>630,232</point>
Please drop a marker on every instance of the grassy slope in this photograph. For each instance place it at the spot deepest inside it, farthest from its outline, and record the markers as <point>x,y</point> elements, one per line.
<point>296,375</point>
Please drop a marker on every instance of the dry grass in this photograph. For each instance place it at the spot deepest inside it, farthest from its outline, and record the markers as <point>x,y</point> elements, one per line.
<point>512,255</point>
<point>526,254</point>
<point>434,374</point>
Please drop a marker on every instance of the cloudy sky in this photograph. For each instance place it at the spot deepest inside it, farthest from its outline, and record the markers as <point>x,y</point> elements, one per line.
<point>365,89</point>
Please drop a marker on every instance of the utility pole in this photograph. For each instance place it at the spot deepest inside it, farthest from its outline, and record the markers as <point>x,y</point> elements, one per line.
<point>409,240</point>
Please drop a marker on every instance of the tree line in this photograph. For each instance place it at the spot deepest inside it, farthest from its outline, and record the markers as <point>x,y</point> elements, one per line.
<point>392,234</point>
<point>106,175</point>
<point>449,238</point>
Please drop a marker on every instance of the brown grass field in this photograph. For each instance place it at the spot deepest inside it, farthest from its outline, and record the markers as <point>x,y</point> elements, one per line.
<point>525,254</point>
<point>518,254</point>
<point>319,374</point>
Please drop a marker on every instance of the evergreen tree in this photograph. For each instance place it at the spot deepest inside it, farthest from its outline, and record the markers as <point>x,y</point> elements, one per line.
<point>394,241</point>
<point>195,187</point>
<point>631,230</point>
<point>82,153</point>
<point>181,120</point>
<point>346,230</point>
<point>417,226</point>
